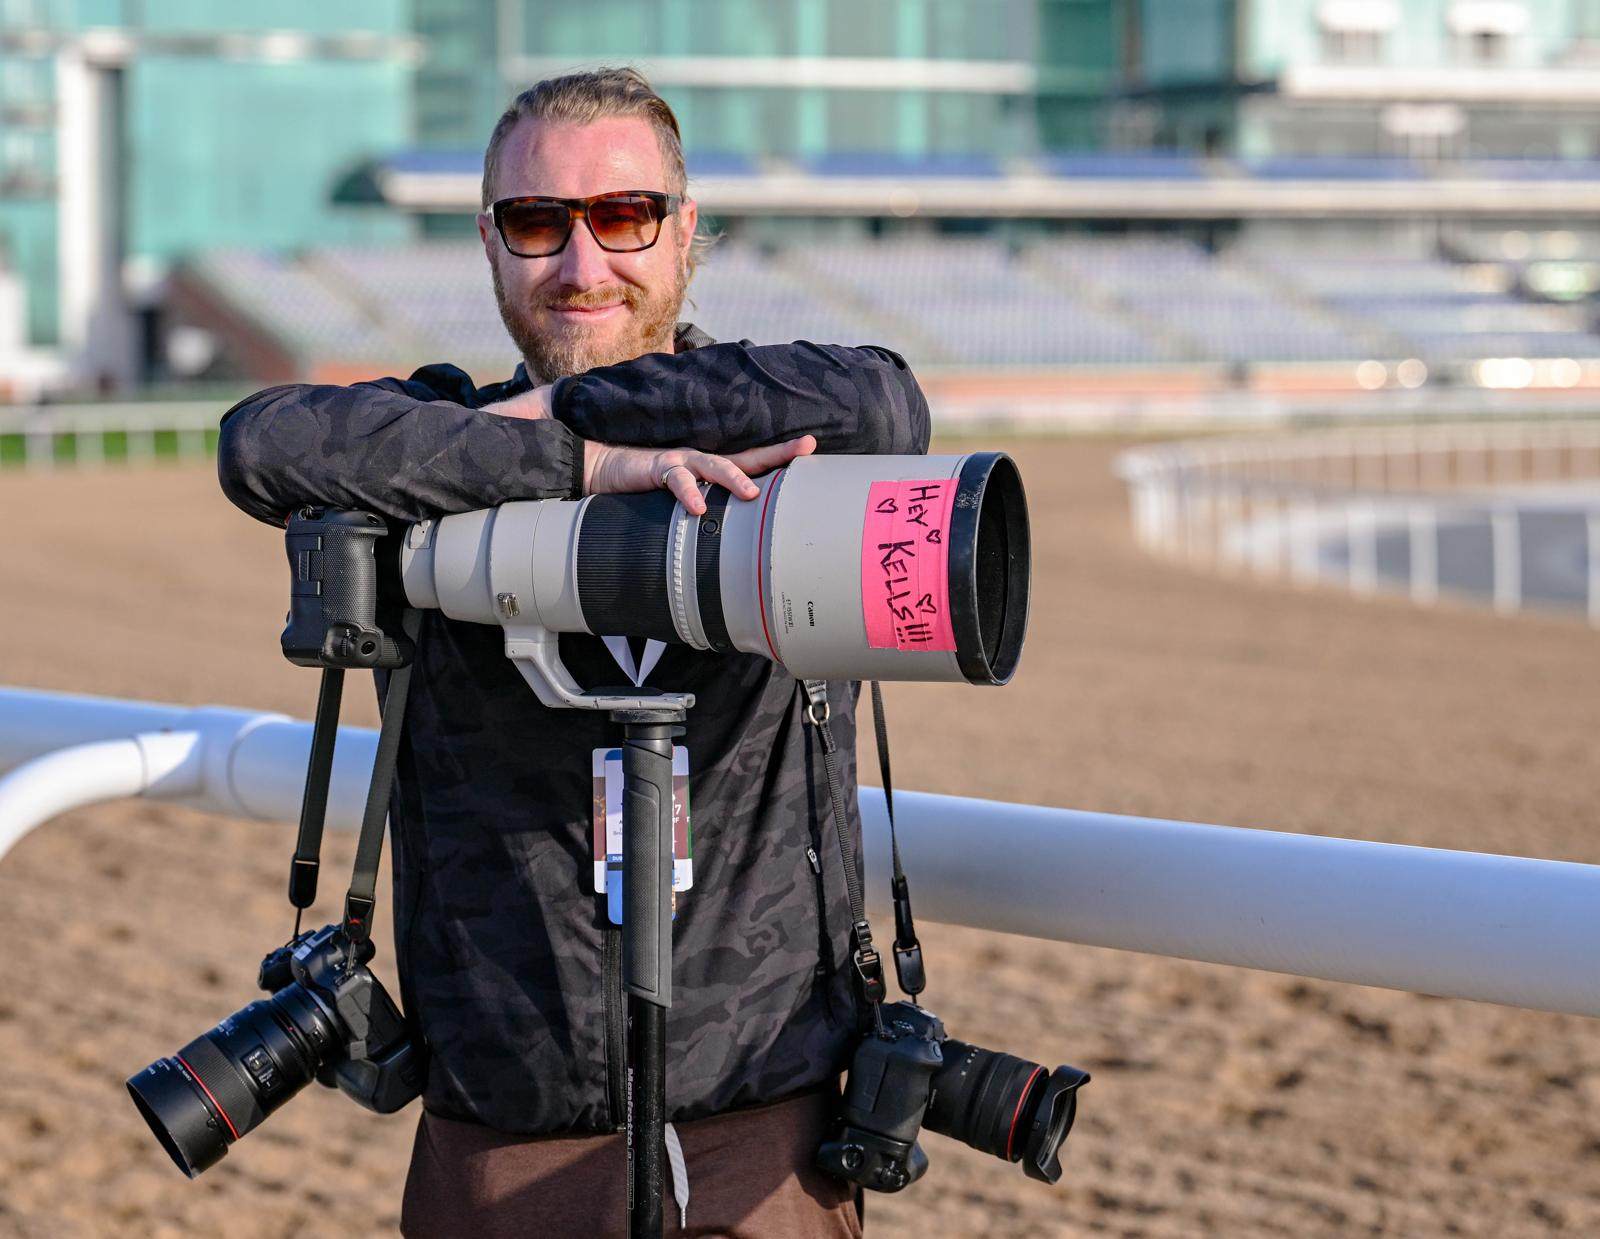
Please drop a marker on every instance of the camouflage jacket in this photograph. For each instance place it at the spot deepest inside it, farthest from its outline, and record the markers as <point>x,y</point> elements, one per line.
<point>510,970</point>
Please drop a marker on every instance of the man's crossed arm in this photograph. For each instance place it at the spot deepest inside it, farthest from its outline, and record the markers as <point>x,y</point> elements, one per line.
<point>423,446</point>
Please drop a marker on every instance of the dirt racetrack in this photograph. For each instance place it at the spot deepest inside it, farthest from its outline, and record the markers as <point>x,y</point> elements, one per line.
<point>1224,1102</point>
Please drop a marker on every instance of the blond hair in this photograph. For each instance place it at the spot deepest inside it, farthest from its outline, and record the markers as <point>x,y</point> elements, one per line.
<point>583,98</point>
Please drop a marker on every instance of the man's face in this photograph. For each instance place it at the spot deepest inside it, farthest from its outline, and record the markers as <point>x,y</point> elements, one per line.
<point>585,307</point>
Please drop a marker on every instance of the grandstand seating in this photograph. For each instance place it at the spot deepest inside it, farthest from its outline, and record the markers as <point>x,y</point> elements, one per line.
<point>1525,169</point>
<point>972,301</point>
<point>875,163</point>
<point>1125,166</point>
<point>956,301</point>
<point>1216,309</point>
<point>1334,168</point>
<point>286,299</point>
<point>435,296</point>
<point>1439,310</point>
<point>738,294</point>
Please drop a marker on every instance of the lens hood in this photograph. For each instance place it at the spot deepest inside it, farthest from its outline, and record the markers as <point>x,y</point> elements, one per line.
<point>1050,1122</point>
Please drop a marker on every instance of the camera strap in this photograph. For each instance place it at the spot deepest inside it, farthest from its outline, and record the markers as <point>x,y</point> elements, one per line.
<point>314,804</point>
<point>908,967</point>
<point>307,861</point>
<point>907,950</point>
<point>360,899</point>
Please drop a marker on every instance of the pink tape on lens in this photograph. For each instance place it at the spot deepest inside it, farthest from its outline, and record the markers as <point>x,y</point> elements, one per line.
<point>905,565</point>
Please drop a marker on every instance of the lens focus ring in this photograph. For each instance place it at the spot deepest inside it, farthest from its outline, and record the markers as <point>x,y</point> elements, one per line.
<point>982,1098</point>
<point>222,1083</point>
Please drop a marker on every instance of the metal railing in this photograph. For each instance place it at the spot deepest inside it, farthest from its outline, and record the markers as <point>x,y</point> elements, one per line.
<point>1469,510</point>
<point>1502,929</point>
<point>40,437</point>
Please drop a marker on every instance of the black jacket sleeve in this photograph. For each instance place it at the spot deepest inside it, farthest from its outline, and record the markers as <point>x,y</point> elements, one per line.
<point>406,449</point>
<point>728,397</point>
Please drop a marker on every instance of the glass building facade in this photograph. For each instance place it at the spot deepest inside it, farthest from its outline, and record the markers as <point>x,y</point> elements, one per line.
<point>786,79</point>
<point>1421,79</point>
<point>227,125</point>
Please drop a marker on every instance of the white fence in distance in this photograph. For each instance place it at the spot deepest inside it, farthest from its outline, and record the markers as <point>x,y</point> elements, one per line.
<point>45,430</point>
<point>1273,506</point>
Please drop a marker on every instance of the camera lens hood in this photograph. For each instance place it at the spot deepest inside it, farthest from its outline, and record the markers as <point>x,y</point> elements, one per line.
<point>1049,1123</point>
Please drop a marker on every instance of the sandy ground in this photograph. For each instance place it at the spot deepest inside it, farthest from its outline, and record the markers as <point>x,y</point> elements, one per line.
<point>1224,1102</point>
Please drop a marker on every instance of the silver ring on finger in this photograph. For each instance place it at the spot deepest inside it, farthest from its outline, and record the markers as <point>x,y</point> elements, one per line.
<point>662,480</point>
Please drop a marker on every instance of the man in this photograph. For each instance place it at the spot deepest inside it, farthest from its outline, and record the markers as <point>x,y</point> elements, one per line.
<point>510,970</point>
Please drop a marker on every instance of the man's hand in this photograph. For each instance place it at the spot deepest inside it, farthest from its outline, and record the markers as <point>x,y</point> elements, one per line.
<point>531,406</point>
<point>609,470</point>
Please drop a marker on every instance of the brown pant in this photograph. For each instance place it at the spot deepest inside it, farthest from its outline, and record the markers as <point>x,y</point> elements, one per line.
<point>751,1176</point>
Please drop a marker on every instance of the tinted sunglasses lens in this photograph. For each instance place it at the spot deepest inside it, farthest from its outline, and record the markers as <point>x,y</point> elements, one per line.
<point>534,229</point>
<point>626,222</point>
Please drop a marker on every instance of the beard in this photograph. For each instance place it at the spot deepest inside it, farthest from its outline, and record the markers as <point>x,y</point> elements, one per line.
<point>556,351</point>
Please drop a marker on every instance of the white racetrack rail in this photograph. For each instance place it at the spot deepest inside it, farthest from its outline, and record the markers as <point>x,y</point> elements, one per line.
<point>1501,929</point>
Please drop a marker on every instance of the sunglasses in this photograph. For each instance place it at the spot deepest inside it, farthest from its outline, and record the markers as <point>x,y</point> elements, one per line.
<point>620,222</point>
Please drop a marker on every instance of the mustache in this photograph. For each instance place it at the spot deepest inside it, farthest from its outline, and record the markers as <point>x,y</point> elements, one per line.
<point>594,298</point>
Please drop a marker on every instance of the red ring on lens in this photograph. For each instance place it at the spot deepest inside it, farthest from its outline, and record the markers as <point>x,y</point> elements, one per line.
<point>195,1076</point>
<point>1028,1088</point>
<point>761,593</point>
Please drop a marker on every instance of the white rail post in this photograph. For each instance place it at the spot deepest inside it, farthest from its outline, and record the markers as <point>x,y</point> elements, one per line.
<point>1506,533</point>
<point>1304,545</point>
<point>1361,534</point>
<point>1179,532</point>
<point>1263,532</point>
<point>141,444</point>
<point>1211,553</point>
<point>1276,551</point>
<point>1231,503</point>
<point>38,443</point>
<point>1592,576</point>
<point>191,442</point>
<point>1139,504</point>
<point>89,442</point>
<point>1193,541</point>
<point>1213,509</point>
<point>1422,521</point>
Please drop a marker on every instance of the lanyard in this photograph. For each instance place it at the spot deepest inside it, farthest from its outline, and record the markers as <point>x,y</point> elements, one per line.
<point>907,950</point>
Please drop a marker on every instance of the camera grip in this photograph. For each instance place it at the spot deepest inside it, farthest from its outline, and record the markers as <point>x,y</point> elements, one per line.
<point>333,593</point>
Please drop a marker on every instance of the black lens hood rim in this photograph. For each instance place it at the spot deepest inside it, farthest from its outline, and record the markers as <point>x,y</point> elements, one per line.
<point>1051,1123</point>
<point>164,1094</point>
<point>978,472</point>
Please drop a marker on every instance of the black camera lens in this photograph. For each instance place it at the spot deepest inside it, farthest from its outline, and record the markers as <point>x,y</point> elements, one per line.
<point>1005,1106</point>
<point>225,1082</point>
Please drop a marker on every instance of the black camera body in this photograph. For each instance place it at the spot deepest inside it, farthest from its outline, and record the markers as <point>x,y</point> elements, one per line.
<point>379,1068</point>
<point>885,1098</point>
<point>908,1074</point>
<point>327,1018</point>
<point>334,597</point>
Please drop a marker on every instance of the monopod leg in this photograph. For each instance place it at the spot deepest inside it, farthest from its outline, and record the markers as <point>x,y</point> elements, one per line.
<point>647,950</point>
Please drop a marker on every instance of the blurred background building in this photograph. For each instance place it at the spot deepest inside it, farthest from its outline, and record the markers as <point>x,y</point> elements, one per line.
<point>1327,195</point>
